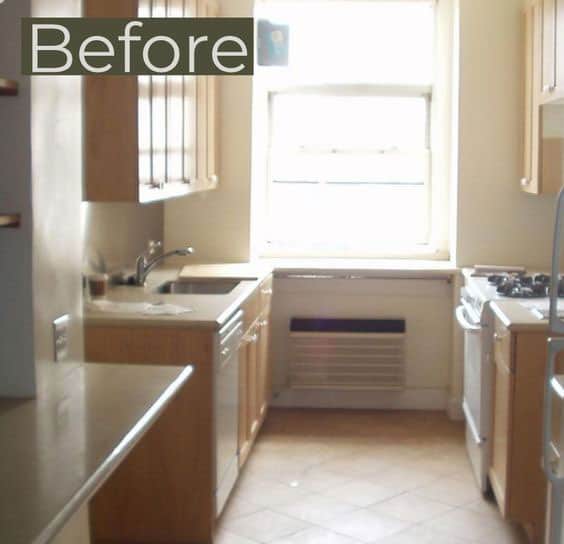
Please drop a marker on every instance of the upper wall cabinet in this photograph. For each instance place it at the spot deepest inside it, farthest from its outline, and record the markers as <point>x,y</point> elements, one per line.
<point>552,84</point>
<point>146,136</point>
<point>543,150</point>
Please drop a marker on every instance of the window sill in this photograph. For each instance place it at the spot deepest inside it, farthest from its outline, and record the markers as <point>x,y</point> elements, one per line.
<point>327,268</point>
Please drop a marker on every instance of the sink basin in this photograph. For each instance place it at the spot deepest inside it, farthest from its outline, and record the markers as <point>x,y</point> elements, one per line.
<point>203,287</point>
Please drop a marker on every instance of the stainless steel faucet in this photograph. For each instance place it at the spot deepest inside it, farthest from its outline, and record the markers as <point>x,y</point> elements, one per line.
<point>143,265</point>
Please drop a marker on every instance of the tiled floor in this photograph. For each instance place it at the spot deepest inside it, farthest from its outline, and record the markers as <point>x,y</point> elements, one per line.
<point>338,477</point>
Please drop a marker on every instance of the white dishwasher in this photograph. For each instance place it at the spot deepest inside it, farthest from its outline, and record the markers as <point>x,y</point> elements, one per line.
<point>226,405</point>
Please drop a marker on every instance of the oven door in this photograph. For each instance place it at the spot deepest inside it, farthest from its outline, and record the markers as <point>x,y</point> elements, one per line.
<point>474,403</point>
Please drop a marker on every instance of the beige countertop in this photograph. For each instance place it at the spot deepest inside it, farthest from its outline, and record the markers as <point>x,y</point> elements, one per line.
<point>58,449</point>
<point>517,317</point>
<point>210,311</point>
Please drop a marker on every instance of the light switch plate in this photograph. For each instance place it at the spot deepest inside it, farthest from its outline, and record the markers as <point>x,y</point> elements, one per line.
<point>61,337</point>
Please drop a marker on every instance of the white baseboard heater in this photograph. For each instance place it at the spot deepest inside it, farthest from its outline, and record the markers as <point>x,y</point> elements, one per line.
<point>347,354</point>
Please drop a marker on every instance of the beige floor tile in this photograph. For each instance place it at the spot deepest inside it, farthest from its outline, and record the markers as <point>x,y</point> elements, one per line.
<point>265,526</point>
<point>422,535</point>
<point>361,493</point>
<point>315,508</point>
<point>366,526</point>
<point>410,507</point>
<point>314,479</point>
<point>238,507</point>
<point>316,535</point>
<point>225,537</point>
<point>450,491</point>
<point>266,493</point>
<point>470,525</point>
<point>404,478</point>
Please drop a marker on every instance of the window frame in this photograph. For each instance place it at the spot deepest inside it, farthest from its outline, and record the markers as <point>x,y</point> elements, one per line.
<point>423,250</point>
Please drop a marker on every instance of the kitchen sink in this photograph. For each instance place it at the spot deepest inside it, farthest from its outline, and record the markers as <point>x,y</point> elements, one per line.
<point>200,287</point>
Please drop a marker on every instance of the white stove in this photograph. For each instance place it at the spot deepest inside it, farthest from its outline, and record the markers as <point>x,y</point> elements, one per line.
<point>476,322</point>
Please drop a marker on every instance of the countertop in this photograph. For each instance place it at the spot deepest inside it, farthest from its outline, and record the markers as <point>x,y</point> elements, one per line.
<point>517,317</point>
<point>209,311</point>
<point>58,449</point>
<point>213,311</point>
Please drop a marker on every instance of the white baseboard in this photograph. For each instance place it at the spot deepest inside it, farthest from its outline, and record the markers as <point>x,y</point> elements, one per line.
<point>454,409</point>
<point>409,399</point>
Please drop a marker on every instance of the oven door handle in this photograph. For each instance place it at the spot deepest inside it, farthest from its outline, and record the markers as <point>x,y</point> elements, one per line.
<point>464,323</point>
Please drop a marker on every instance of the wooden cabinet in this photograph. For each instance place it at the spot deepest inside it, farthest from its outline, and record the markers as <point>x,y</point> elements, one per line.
<point>543,141</point>
<point>552,84</point>
<point>515,474</point>
<point>531,180</point>
<point>254,369</point>
<point>143,482</point>
<point>208,116</point>
<point>148,138</point>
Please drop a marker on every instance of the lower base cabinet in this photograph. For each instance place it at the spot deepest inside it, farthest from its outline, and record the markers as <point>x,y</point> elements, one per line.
<point>516,475</point>
<point>164,491</point>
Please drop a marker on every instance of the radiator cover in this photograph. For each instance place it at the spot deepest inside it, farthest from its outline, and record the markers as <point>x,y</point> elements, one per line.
<point>347,354</point>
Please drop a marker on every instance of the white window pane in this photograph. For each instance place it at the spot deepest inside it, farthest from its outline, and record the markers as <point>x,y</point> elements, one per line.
<point>380,42</point>
<point>349,122</point>
<point>337,218</point>
<point>385,168</point>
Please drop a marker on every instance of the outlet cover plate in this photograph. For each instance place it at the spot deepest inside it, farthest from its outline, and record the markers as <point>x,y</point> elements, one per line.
<point>61,337</point>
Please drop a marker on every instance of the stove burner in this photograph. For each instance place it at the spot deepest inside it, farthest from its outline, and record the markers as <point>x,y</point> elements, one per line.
<point>521,286</point>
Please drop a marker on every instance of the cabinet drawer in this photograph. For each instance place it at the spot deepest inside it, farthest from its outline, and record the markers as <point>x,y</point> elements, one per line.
<point>502,345</point>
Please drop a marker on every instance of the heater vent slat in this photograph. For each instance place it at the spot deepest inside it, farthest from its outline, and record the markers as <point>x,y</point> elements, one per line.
<point>347,354</point>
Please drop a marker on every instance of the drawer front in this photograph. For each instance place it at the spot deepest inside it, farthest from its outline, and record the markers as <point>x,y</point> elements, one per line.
<point>502,345</point>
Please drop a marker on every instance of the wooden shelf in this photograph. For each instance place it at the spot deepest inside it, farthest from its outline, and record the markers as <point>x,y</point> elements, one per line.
<point>8,87</point>
<point>10,221</point>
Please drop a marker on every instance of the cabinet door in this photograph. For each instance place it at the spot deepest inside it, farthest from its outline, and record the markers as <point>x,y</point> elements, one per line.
<point>503,395</point>
<point>531,182</point>
<point>208,142</point>
<point>549,19</point>
<point>263,366</point>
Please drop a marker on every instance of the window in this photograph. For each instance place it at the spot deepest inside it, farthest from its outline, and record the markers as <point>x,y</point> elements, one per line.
<point>349,154</point>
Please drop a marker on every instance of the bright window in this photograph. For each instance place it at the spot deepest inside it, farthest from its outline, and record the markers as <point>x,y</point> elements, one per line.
<point>350,122</point>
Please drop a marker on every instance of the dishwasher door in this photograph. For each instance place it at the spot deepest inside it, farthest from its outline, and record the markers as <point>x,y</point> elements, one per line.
<point>227,408</point>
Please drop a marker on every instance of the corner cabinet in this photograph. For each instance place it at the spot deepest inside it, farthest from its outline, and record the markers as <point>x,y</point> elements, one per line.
<point>149,138</point>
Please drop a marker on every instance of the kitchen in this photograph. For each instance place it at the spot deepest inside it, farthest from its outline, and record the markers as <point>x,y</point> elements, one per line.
<point>304,445</point>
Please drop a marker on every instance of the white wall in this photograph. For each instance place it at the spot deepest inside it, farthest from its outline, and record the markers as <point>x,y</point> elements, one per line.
<point>497,223</point>
<point>119,232</point>
<point>17,369</point>
<point>56,128</point>
<point>217,224</point>
<point>426,305</point>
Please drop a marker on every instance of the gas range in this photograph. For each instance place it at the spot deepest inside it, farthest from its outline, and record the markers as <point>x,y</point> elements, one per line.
<point>480,289</point>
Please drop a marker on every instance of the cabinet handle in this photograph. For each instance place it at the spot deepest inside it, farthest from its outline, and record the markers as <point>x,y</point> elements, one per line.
<point>266,291</point>
<point>250,338</point>
<point>225,352</point>
<point>525,182</point>
<point>497,337</point>
<point>263,323</point>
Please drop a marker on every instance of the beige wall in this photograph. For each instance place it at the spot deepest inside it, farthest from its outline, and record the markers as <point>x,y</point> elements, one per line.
<point>497,223</point>
<point>119,232</point>
<point>17,369</point>
<point>217,224</point>
<point>493,221</point>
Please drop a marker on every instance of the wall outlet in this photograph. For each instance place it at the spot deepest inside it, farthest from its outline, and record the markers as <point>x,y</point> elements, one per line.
<point>61,337</point>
